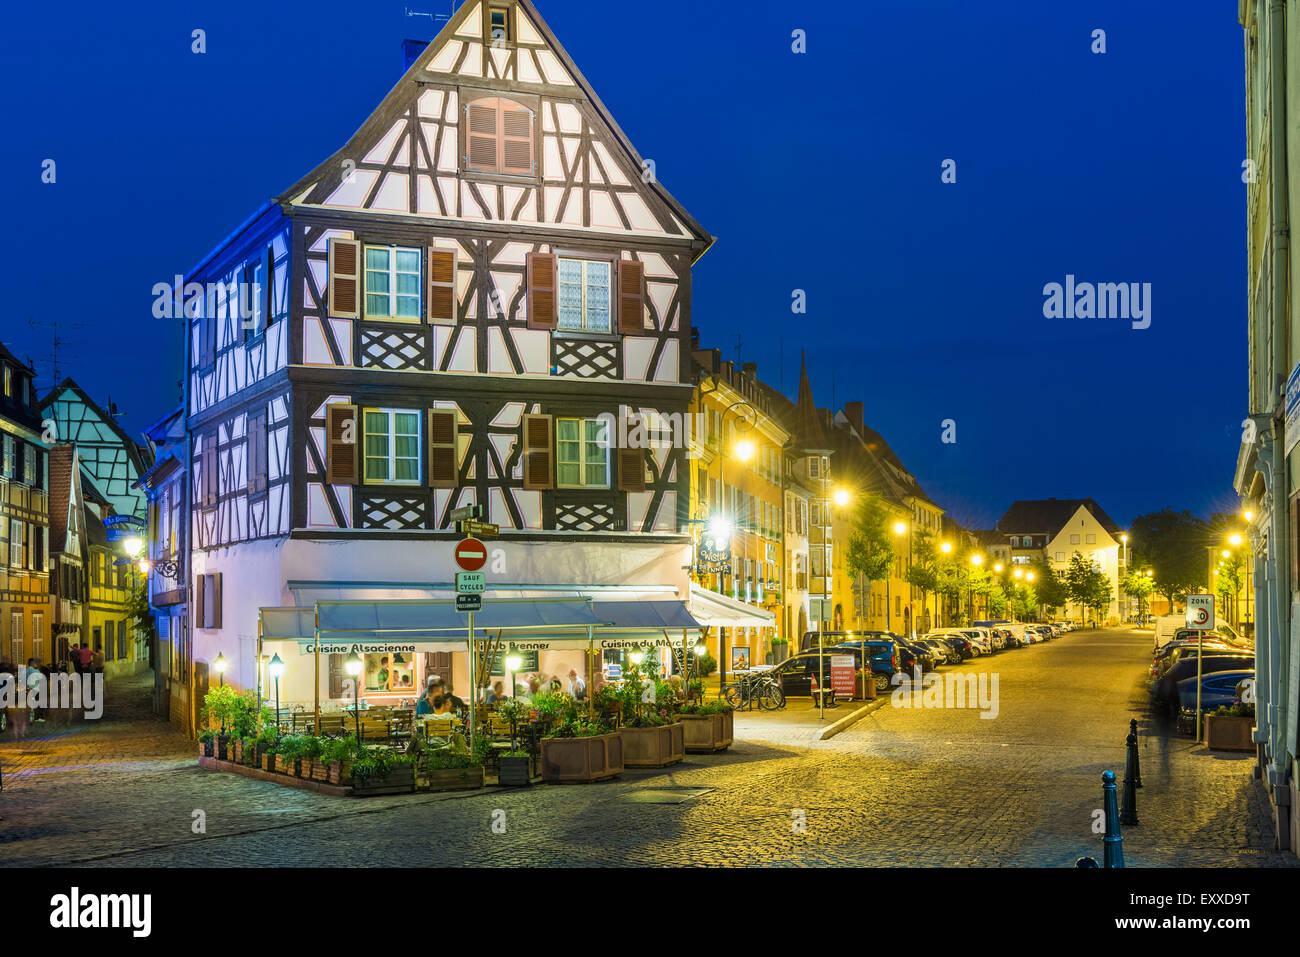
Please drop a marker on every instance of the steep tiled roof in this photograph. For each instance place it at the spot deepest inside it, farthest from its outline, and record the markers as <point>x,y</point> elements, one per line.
<point>1050,515</point>
<point>808,433</point>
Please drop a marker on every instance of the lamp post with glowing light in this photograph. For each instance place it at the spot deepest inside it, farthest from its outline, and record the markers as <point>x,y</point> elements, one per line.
<point>276,667</point>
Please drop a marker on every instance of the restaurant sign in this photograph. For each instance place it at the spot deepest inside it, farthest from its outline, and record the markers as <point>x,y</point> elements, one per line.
<point>713,559</point>
<point>360,648</point>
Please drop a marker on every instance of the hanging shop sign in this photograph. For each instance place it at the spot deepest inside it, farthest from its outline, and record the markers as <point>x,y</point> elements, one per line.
<point>1291,428</point>
<point>360,648</point>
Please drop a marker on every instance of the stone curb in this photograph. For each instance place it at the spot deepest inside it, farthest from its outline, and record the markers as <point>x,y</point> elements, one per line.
<point>833,729</point>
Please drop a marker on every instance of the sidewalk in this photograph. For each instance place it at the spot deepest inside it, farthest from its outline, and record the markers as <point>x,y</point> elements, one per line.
<point>799,722</point>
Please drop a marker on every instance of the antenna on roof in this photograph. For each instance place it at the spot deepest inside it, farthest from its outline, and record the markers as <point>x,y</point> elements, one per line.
<point>56,343</point>
<point>435,17</point>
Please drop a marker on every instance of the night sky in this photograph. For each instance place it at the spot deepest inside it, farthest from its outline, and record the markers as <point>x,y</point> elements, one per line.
<point>818,171</point>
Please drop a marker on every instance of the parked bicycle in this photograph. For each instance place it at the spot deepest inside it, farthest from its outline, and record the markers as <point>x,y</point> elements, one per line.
<point>759,688</point>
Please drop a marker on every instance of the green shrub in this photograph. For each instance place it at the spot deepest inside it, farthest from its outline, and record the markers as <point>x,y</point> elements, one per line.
<point>706,665</point>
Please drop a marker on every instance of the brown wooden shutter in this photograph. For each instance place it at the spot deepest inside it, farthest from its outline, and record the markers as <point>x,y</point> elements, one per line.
<point>516,139</point>
<point>442,285</point>
<point>631,299</point>
<point>345,278</point>
<point>215,610</point>
<point>539,454</point>
<point>341,455</point>
<point>481,120</point>
<point>198,599</point>
<point>211,491</point>
<point>631,470</point>
<point>336,673</point>
<point>443,458</point>
<point>541,290</point>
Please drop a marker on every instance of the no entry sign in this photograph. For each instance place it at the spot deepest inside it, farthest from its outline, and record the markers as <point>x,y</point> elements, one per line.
<point>471,554</point>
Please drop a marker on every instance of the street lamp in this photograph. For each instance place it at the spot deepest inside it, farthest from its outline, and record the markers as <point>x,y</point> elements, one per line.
<point>513,661</point>
<point>945,547</point>
<point>841,497</point>
<point>1234,539</point>
<point>744,450</point>
<point>276,667</point>
<point>220,664</point>
<point>353,666</point>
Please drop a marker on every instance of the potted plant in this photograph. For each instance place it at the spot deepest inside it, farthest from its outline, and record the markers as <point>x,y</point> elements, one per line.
<point>338,756</point>
<point>307,758</point>
<point>1229,728</point>
<point>288,753</point>
<point>652,735</point>
<point>706,727</point>
<point>207,741</point>
<point>455,768</point>
<point>267,740</point>
<point>515,768</point>
<point>780,650</point>
<point>582,749</point>
<point>382,771</point>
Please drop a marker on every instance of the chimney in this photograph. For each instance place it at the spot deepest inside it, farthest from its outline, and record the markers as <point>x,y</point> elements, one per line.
<point>853,412</point>
<point>750,369</point>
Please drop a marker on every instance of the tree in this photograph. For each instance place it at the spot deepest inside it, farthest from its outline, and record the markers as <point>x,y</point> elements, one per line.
<point>1140,586</point>
<point>1078,580</point>
<point>1051,589</point>
<point>871,542</point>
<point>1024,602</point>
<point>1173,544</point>
<point>1228,582</point>
<point>1100,594</point>
<point>922,574</point>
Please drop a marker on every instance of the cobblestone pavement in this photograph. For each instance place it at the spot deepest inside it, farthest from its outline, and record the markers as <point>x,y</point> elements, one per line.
<point>902,787</point>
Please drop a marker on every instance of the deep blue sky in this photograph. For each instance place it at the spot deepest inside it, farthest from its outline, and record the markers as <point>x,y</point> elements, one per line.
<point>817,171</point>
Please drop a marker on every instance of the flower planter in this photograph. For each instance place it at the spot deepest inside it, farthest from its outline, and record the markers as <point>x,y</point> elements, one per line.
<point>706,733</point>
<point>320,771</point>
<point>780,653</point>
<point>1228,733</point>
<point>398,780</point>
<point>653,747</point>
<point>225,750</point>
<point>582,759</point>
<point>268,762</point>
<point>206,750</point>
<point>515,772</point>
<point>455,779</point>
<point>305,768</point>
<point>286,765</point>
<point>340,772</point>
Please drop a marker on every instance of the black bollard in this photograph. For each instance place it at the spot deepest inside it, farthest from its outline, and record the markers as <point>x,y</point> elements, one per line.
<point>1128,812</point>
<point>1086,862</point>
<point>1137,764</point>
<point>1113,842</point>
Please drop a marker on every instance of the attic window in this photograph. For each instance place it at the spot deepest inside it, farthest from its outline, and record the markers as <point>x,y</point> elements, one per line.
<point>499,137</point>
<point>499,25</point>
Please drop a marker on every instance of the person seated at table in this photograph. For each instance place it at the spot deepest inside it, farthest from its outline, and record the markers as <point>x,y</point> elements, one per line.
<point>442,708</point>
<point>556,685</point>
<point>679,690</point>
<point>424,704</point>
<point>496,694</point>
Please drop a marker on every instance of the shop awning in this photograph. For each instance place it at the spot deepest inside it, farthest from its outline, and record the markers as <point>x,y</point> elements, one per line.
<point>438,622</point>
<point>645,615</point>
<point>288,624</point>
<point>710,608</point>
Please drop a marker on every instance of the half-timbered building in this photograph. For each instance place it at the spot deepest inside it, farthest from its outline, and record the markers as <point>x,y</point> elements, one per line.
<point>481,298</point>
<point>24,516</point>
<point>106,452</point>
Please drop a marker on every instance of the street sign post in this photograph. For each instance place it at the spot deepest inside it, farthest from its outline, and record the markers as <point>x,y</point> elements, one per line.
<point>470,583</point>
<point>466,513</point>
<point>1200,615</point>
<point>469,602</point>
<point>480,529</point>
<point>471,555</point>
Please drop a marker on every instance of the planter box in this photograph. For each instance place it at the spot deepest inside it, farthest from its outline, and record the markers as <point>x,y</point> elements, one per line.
<point>206,750</point>
<point>225,750</point>
<point>867,693</point>
<point>268,761</point>
<point>286,765</point>
<point>455,779</point>
<point>340,772</point>
<point>305,768</point>
<point>780,653</point>
<point>514,772</point>
<point>706,733</point>
<point>399,780</point>
<point>320,771</point>
<point>582,759</point>
<point>1228,733</point>
<point>653,747</point>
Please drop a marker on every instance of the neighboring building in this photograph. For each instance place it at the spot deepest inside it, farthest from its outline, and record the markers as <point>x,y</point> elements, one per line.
<point>110,576</point>
<point>108,455</point>
<point>739,478</point>
<point>1053,530</point>
<point>24,518</point>
<point>67,552</point>
<point>167,487</point>
<point>812,450</point>
<point>452,310</point>
<point>1266,476</point>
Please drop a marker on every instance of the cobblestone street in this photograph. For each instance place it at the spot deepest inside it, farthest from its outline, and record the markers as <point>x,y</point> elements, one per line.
<point>901,787</point>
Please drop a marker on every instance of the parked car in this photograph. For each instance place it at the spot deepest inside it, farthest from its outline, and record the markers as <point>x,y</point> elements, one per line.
<point>922,654</point>
<point>979,637</point>
<point>796,674</point>
<point>943,652</point>
<point>1164,689</point>
<point>882,653</point>
<point>999,638</point>
<point>831,638</point>
<point>1218,689</point>
<point>963,645</point>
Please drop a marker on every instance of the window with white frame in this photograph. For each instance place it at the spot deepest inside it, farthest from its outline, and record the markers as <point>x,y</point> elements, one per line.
<point>16,539</point>
<point>1090,539</point>
<point>1074,539</point>
<point>393,283</point>
<point>584,295</point>
<point>581,453</point>
<point>392,446</point>
<point>16,637</point>
<point>10,460</point>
